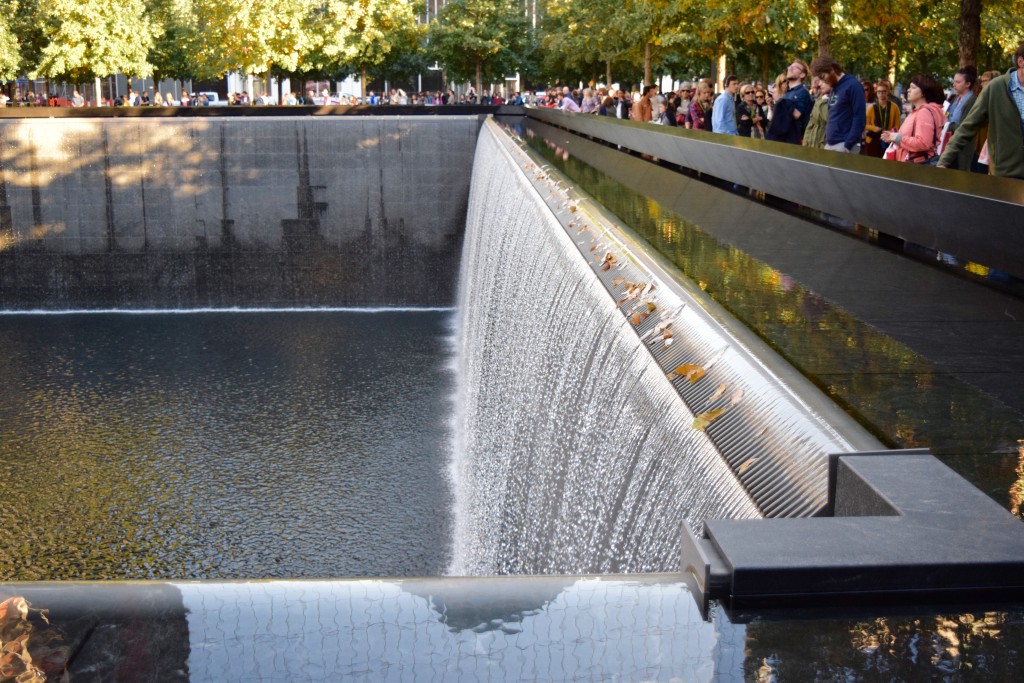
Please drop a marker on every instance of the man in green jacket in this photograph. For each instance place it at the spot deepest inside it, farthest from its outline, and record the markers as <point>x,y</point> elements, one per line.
<point>1002,105</point>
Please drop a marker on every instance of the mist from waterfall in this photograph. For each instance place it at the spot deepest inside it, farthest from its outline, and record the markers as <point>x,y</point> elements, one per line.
<point>572,452</point>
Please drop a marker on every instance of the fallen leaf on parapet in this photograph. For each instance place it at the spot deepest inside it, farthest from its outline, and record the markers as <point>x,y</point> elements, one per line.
<point>719,393</point>
<point>736,397</point>
<point>572,209</point>
<point>593,247</point>
<point>639,317</point>
<point>648,289</point>
<point>701,422</point>
<point>618,281</point>
<point>581,230</point>
<point>743,468</point>
<point>668,343</point>
<point>13,609</point>
<point>690,371</point>
<point>651,307</point>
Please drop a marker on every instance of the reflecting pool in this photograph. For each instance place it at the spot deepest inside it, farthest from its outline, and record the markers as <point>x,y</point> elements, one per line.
<point>224,444</point>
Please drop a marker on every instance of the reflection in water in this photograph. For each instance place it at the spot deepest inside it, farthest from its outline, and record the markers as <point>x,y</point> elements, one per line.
<point>976,645</point>
<point>224,445</point>
<point>637,628</point>
<point>895,392</point>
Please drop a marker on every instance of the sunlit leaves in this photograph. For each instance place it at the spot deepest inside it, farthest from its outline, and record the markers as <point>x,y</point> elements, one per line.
<point>95,38</point>
<point>10,57</point>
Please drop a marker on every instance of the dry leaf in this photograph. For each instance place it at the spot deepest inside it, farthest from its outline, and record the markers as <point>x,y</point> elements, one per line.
<point>639,317</point>
<point>572,209</point>
<point>736,397</point>
<point>701,422</point>
<point>618,281</point>
<point>690,371</point>
<point>719,393</point>
<point>743,468</point>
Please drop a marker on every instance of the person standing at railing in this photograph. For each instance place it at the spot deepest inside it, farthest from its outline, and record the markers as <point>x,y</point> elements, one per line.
<point>1001,104</point>
<point>723,113</point>
<point>847,113</point>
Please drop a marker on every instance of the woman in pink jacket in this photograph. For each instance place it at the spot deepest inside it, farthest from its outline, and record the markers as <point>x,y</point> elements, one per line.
<point>918,138</point>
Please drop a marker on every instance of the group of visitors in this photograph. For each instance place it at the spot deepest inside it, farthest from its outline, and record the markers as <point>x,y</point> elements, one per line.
<point>979,127</point>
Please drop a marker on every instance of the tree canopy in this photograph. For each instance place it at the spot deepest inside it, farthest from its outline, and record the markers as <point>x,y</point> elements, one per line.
<point>485,40</point>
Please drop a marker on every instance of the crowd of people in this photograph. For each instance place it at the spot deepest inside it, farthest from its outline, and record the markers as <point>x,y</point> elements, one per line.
<point>978,126</point>
<point>153,97</point>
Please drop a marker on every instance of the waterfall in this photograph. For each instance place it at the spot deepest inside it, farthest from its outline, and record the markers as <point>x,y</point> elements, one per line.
<point>573,453</point>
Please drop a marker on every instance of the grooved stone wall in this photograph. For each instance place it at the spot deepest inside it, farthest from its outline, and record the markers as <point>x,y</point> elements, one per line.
<point>163,213</point>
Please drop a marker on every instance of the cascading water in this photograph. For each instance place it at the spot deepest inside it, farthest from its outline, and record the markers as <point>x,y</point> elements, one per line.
<point>573,453</point>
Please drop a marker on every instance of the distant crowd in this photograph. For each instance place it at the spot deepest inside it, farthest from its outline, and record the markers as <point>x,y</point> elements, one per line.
<point>978,126</point>
<point>154,98</point>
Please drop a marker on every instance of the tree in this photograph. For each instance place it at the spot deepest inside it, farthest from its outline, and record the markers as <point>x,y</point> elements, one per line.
<point>94,38</point>
<point>480,38</point>
<point>250,36</point>
<point>10,57</point>
<point>365,35</point>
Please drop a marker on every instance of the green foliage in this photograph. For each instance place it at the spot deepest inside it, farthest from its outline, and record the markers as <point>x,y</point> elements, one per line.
<point>487,39</point>
<point>378,36</point>
<point>481,39</point>
<point>94,38</point>
<point>10,56</point>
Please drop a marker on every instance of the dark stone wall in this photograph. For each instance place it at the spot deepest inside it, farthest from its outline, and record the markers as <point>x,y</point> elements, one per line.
<point>172,213</point>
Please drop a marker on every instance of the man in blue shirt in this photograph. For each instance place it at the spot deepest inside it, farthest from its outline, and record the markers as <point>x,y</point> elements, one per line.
<point>723,114</point>
<point>847,111</point>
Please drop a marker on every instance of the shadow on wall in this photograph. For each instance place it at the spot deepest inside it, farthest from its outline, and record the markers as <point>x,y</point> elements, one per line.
<point>200,212</point>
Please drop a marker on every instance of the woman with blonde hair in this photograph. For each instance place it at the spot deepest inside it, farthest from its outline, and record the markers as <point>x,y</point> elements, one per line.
<point>700,108</point>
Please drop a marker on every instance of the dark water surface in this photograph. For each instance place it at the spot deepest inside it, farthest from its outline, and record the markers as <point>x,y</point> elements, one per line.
<point>224,445</point>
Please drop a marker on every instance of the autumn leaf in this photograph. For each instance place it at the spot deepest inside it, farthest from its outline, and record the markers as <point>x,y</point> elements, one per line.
<point>736,396</point>
<point>572,209</point>
<point>719,393</point>
<point>746,464</point>
<point>690,371</point>
<point>701,422</point>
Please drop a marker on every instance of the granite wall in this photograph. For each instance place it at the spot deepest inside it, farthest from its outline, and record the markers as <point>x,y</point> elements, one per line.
<point>171,213</point>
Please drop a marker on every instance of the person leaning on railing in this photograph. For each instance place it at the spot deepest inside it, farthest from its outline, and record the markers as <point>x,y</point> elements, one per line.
<point>1001,104</point>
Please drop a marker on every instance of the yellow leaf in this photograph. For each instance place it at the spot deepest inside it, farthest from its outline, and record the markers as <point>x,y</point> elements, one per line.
<point>618,281</point>
<point>743,468</point>
<point>690,371</point>
<point>639,317</point>
<point>701,422</point>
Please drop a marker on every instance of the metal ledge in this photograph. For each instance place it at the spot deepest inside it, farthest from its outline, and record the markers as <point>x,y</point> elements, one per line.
<point>908,528</point>
<point>974,217</point>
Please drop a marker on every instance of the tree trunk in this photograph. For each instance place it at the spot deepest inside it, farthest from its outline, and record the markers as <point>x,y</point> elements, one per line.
<point>479,80</point>
<point>720,65</point>
<point>969,34</point>
<point>647,63</point>
<point>362,86</point>
<point>890,52</point>
<point>98,96</point>
<point>608,73</point>
<point>824,27</point>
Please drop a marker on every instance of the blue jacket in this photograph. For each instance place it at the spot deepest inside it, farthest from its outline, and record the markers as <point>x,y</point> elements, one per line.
<point>847,113</point>
<point>801,99</point>
<point>723,115</point>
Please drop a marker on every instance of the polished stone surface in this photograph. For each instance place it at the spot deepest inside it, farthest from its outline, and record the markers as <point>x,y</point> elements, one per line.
<point>172,213</point>
<point>977,218</point>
